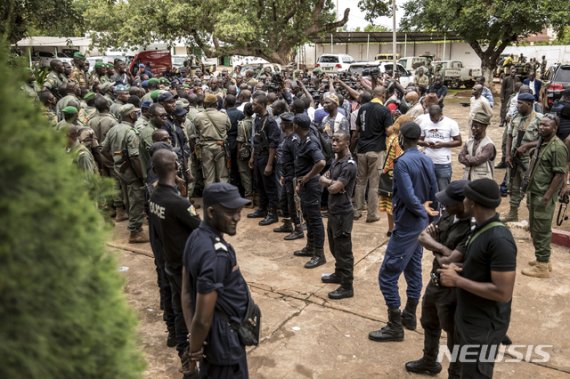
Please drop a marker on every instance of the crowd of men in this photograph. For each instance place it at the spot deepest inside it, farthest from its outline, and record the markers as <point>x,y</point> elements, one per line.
<point>301,147</point>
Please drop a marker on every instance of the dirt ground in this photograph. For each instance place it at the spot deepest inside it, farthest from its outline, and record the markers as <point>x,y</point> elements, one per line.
<point>306,335</point>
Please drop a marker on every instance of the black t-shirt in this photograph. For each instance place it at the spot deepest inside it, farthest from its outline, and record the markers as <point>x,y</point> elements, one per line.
<point>343,170</point>
<point>266,135</point>
<point>212,266</point>
<point>235,115</point>
<point>453,234</point>
<point>286,155</point>
<point>372,120</point>
<point>308,153</point>
<point>492,250</point>
<point>170,216</point>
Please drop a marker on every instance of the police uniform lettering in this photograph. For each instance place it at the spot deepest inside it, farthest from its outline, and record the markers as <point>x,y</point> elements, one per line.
<point>157,210</point>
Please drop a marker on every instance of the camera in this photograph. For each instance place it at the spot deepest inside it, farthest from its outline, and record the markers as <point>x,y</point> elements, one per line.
<point>371,71</point>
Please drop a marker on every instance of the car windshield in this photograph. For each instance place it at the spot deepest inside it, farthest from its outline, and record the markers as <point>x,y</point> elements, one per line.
<point>328,59</point>
<point>562,74</point>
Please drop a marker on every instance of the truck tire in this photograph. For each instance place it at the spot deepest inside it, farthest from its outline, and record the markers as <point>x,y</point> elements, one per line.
<point>456,83</point>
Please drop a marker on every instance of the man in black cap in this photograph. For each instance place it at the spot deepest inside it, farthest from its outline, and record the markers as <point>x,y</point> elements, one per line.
<point>484,283</point>
<point>309,163</point>
<point>213,288</point>
<point>173,219</point>
<point>522,133</point>
<point>447,235</point>
<point>340,180</point>
<point>286,168</point>
<point>414,184</point>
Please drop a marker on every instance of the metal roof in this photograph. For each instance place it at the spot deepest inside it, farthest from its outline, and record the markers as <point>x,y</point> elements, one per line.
<point>379,37</point>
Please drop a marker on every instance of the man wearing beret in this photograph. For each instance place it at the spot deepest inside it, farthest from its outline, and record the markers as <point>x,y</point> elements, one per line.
<point>214,292</point>
<point>122,147</point>
<point>100,74</point>
<point>522,134</point>
<point>478,153</point>
<point>70,115</point>
<point>414,184</point>
<point>78,71</point>
<point>484,283</point>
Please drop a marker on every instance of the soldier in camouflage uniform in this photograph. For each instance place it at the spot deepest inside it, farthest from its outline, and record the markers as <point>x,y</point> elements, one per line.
<point>121,98</point>
<point>70,114</point>
<point>522,131</point>
<point>99,76</point>
<point>122,146</point>
<point>55,78</point>
<point>48,101</point>
<point>72,90</point>
<point>78,70</point>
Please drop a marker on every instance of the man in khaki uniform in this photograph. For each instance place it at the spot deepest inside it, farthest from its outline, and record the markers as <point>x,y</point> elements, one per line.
<point>212,127</point>
<point>72,90</point>
<point>196,107</point>
<point>56,77</point>
<point>545,180</point>
<point>122,146</point>
<point>100,74</point>
<point>102,121</point>
<point>157,120</point>
<point>78,70</point>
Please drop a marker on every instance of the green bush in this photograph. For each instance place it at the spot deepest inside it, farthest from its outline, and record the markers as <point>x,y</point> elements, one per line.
<point>63,313</point>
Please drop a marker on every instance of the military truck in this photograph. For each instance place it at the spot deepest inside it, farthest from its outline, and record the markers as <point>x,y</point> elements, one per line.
<point>455,74</point>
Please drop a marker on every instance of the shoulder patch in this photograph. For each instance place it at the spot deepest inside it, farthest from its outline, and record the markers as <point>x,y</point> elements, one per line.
<point>351,161</point>
<point>220,246</point>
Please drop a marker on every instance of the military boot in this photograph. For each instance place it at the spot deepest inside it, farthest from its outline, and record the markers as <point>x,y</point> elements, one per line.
<point>138,237</point>
<point>539,270</point>
<point>307,251</point>
<point>271,218</point>
<point>409,315</point>
<point>394,331</point>
<point>512,216</point>
<point>534,262</point>
<point>295,234</point>
<point>287,227</point>
<point>121,215</point>
<point>317,260</point>
<point>427,364</point>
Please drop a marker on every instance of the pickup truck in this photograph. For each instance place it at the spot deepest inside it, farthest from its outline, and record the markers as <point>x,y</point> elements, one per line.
<point>455,75</point>
<point>380,68</point>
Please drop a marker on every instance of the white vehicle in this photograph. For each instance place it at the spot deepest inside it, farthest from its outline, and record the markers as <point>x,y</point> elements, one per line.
<point>455,75</point>
<point>413,63</point>
<point>334,62</point>
<point>380,68</point>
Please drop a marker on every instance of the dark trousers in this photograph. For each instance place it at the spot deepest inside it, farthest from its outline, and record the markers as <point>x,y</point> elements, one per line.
<point>162,280</point>
<point>235,371</point>
<point>287,201</point>
<point>175,281</point>
<point>266,185</point>
<point>438,312</point>
<point>339,229</point>
<point>311,207</point>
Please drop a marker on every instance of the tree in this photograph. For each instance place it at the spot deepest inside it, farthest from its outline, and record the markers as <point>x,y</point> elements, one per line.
<point>52,17</point>
<point>376,28</point>
<point>267,29</point>
<point>63,313</point>
<point>488,26</point>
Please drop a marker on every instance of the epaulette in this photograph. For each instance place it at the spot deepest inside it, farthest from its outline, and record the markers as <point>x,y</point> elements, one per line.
<point>218,245</point>
<point>351,161</point>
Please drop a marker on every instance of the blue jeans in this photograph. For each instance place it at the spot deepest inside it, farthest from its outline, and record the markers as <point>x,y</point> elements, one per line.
<point>442,175</point>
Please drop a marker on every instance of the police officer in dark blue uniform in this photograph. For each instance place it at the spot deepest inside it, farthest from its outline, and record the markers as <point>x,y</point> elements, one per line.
<point>414,184</point>
<point>214,292</point>
<point>266,139</point>
<point>286,168</point>
<point>173,218</point>
<point>308,164</point>
<point>340,181</point>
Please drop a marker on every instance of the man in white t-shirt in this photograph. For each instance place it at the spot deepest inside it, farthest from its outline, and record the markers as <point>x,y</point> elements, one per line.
<point>439,135</point>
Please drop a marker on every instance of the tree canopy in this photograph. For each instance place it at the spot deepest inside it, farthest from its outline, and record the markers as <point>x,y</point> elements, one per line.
<point>51,17</point>
<point>63,313</point>
<point>488,26</point>
<point>267,29</point>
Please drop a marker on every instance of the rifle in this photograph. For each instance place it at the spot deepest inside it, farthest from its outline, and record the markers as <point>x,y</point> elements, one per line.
<point>297,200</point>
<point>563,200</point>
<point>529,172</point>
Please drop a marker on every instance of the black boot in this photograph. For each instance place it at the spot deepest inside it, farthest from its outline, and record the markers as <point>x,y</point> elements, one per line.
<point>342,292</point>
<point>424,365</point>
<point>271,218</point>
<point>330,278</point>
<point>391,332</point>
<point>427,364</point>
<point>307,251</point>
<point>285,228</point>
<point>295,234</point>
<point>171,339</point>
<point>409,315</point>
<point>317,260</point>
<point>258,213</point>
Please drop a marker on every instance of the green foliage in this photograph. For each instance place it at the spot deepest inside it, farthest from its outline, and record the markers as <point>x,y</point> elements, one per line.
<point>219,27</point>
<point>47,17</point>
<point>63,313</point>
<point>375,8</point>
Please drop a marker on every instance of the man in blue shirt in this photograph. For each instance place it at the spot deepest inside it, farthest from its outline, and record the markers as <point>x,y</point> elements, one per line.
<point>414,184</point>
